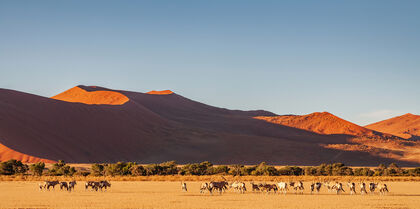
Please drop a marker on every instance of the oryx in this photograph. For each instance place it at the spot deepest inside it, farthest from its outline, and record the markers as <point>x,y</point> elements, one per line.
<point>363,188</point>
<point>184,186</point>
<point>71,185</point>
<point>352,187</point>
<point>64,185</point>
<point>204,186</point>
<point>383,189</point>
<point>282,187</point>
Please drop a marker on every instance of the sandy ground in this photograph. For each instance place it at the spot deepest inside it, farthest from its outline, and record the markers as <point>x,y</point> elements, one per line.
<point>168,195</point>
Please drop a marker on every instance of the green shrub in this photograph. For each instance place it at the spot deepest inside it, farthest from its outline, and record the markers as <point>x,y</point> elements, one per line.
<point>12,167</point>
<point>37,168</point>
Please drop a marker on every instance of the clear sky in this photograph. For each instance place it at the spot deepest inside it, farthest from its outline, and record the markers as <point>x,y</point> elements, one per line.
<point>359,60</point>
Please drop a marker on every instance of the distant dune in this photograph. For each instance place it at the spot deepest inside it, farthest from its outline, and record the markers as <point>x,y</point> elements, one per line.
<point>406,126</point>
<point>322,123</point>
<point>88,124</point>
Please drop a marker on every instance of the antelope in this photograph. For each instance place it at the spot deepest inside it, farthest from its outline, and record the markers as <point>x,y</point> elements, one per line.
<point>363,188</point>
<point>204,187</point>
<point>42,186</point>
<point>329,186</point>
<point>282,187</point>
<point>220,185</point>
<point>316,186</point>
<point>49,184</point>
<point>64,184</point>
<point>383,189</point>
<point>298,186</point>
<point>95,185</point>
<point>372,187</point>
<point>268,187</point>
<point>338,188</point>
<point>71,185</point>
<point>255,187</point>
<point>184,186</point>
<point>238,186</point>
<point>352,187</point>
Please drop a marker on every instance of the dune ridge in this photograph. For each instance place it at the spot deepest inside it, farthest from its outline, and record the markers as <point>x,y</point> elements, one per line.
<point>164,92</point>
<point>319,122</point>
<point>100,97</point>
<point>406,126</point>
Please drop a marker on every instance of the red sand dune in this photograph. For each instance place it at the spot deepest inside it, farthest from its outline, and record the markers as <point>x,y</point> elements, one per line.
<point>152,129</point>
<point>164,92</point>
<point>406,126</point>
<point>319,122</point>
<point>77,94</point>
<point>7,154</point>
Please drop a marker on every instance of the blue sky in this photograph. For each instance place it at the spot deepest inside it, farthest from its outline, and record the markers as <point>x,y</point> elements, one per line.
<point>356,59</point>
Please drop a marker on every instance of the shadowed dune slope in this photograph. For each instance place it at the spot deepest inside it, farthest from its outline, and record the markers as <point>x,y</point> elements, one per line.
<point>152,128</point>
<point>406,126</point>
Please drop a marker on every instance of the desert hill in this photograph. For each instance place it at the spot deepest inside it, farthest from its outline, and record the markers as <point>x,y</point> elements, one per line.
<point>323,123</point>
<point>89,124</point>
<point>406,126</point>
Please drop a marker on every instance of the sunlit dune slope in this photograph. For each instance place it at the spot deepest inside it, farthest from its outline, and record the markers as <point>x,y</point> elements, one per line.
<point>320,122</point>
<point>78,94</point>
<point>164,92</point>
<point>7,154</point>
<point>406,126</point>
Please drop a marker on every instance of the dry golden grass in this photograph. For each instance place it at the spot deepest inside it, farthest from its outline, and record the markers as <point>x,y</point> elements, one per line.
<point>153,194</point>
<point>211,178</point>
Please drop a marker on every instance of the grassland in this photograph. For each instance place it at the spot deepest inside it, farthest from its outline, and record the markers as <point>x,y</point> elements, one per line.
<point>167,194</point>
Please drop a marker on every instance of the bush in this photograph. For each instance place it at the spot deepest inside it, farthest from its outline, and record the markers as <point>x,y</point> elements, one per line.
<point>223,169</point>
<point>290,171</point>
<point>363,172</point>
<point>61,169</point>
<point>12,167</point>
<point>138,170</point>
<point>97,169</point>
<point>203,168</point>
<point>37,168</point>
<point>264,170</point>
<point>120,168</point>
<point>169,168</point>
<point>236,170</point>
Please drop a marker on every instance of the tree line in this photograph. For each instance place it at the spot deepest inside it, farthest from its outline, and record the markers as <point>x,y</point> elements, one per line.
<point>15,167</point>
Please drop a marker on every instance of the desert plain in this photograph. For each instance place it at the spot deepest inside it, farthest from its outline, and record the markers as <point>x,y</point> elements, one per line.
<point>168,194</point>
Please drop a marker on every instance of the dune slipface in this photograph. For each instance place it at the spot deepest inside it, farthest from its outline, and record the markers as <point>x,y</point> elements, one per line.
<point>406,126</point>
<point>94,124</point>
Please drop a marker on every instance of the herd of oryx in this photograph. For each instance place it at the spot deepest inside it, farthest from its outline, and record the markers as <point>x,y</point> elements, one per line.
<point>69,186</point>
<point>297,187</point>
<point>240,187</point>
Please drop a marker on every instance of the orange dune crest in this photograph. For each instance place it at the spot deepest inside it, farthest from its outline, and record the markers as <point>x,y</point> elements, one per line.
<point>164,92</point>
<point>77,94</point>
<point>319,122</point>
<point>8,154</point>
<point>406,126</point>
